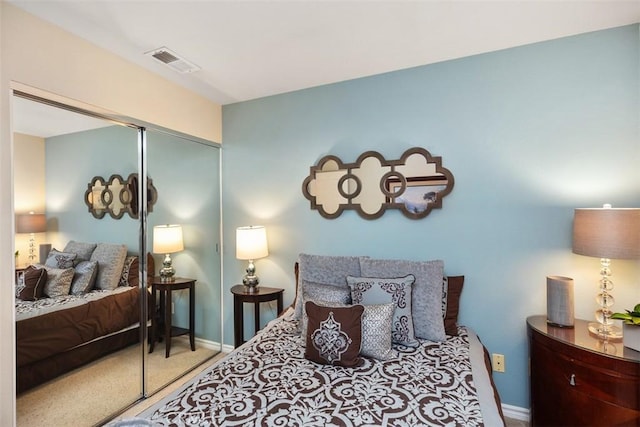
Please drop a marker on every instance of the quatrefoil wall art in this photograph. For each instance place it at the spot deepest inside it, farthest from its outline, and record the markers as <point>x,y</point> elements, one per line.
<point>416,183</point>
<point>117,196</point>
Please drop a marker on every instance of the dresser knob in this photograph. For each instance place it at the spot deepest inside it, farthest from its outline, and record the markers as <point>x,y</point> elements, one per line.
<point>572,380</point>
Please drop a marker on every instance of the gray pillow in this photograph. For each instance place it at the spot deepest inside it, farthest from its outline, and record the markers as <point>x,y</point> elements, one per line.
<point>84,277</point>
<point>375,290</point>
<point>58,281</point>
<point>426,302</point>
<point>110,258</point>
<point>327,294</point>
<point>326,270</point>
<point>57,259</point>
<point>83,250</point>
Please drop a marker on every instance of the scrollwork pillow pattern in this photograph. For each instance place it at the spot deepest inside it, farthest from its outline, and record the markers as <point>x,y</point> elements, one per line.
<point>334,334</point>
<point>374,290</point>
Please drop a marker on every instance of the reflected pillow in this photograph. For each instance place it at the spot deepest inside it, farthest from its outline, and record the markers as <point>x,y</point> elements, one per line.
<point>375,290</point>
<point>84,277</point>
<point>110,258</point>
<point>34,281</point>
<point>334,335</point>
<point>57,259</point>
<point>83,250</point>
<point>58,281</point>
<point>129,276</point>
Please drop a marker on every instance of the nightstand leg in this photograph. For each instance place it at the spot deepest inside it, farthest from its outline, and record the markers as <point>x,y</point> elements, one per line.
<point>192,317</point>
<point>167,323</point>
<point>238,320</point>
<point>256,315</point>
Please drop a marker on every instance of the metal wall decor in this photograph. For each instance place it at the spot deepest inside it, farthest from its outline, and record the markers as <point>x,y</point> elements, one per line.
<point>117,196</point>
<point>416,183</point>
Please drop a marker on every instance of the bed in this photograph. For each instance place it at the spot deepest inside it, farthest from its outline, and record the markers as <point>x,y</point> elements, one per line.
<point>392,378</point>
<point>70,312</point>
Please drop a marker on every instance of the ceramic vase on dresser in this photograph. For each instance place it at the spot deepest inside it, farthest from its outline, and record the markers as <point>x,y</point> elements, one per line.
<point>631,336</point>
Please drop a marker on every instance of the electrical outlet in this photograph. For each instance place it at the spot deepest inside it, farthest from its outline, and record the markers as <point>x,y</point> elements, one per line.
<point>498,362</point>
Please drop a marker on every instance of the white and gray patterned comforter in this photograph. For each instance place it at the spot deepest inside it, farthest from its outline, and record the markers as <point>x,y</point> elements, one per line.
<point>28,309</point>
<point>268,382</point>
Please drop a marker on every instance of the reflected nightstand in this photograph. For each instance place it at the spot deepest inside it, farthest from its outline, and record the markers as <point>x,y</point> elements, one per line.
<point>161,322</point>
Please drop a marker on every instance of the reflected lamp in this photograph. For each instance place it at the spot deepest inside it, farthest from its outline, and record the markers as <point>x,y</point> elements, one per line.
<point>606,233</point>
<point>251,244</point>
<point>31,223</point>
<point>167,239</point>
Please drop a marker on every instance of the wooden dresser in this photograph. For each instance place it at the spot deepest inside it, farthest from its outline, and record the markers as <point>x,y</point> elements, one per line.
<point>578,380</point>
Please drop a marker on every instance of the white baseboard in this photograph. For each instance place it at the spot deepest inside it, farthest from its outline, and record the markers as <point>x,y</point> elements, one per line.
<point>212,345</point>
<point>515,412</point>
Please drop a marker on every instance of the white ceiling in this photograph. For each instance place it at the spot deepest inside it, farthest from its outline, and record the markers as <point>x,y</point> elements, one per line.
<point>251,49</point>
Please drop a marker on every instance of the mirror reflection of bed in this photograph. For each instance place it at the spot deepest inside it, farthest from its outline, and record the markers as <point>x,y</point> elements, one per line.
<point>52,168</point>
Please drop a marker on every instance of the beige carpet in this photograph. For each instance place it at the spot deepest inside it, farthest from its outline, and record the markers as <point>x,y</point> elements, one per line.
<point>87,396</point>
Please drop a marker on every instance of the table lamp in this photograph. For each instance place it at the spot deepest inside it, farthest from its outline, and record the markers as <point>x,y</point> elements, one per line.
<point>251,244</point>
<point>167,239</point>
<point>606,233</point>
<point>31,223</point>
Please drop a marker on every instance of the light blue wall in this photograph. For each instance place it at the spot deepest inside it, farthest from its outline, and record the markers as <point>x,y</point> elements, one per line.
<point>71,162</point>
<point>529,133</point>
<point>186,175</point>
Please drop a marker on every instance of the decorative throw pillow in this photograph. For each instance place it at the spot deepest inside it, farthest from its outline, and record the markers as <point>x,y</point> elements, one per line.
<point>426,305</point>
<point>57,259</point>
<point>129,276</point>
<point>83,250</point>
<point>58,281</point>
<point>334,335</point>
<point>451,292</point>
<point>377,322</point>
<point>376,328</point>
<point>110,258</point>
<point>326,270</point>
<point>375,290</point>
<point>84,278</point>
<point>326,293</point>
<point>34,282</point>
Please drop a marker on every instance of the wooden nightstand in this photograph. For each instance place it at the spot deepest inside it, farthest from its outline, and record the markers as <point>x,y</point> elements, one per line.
<point>240,296</point>
<point>161,321</point>
<point>577,380</point>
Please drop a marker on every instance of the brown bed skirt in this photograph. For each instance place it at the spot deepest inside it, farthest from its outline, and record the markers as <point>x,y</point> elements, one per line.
<point>31,375</point>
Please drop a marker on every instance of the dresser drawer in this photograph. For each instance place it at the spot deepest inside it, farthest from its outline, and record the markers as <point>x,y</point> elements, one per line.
<point>575,382</point>
<point>578,377</point>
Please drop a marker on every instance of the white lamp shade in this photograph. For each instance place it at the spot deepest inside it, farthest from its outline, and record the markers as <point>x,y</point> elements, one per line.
<point>251,242</point>
<point>31,223</point>
<point>607,233</point>
<point>167,239</point>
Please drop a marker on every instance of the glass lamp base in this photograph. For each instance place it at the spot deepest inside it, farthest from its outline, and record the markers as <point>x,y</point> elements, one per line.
<point>610,333</point>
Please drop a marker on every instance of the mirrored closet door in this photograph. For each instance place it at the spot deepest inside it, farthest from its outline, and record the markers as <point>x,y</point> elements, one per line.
<point>186,217</point>
<point>82,174</point>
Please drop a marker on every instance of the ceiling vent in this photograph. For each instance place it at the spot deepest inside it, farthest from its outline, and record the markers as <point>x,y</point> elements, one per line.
<point>172,60</point>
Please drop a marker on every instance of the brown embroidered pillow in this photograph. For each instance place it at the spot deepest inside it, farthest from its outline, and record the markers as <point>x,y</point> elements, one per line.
<point>334,334</point>
<point>34,281</point>
<point>452,290</point>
